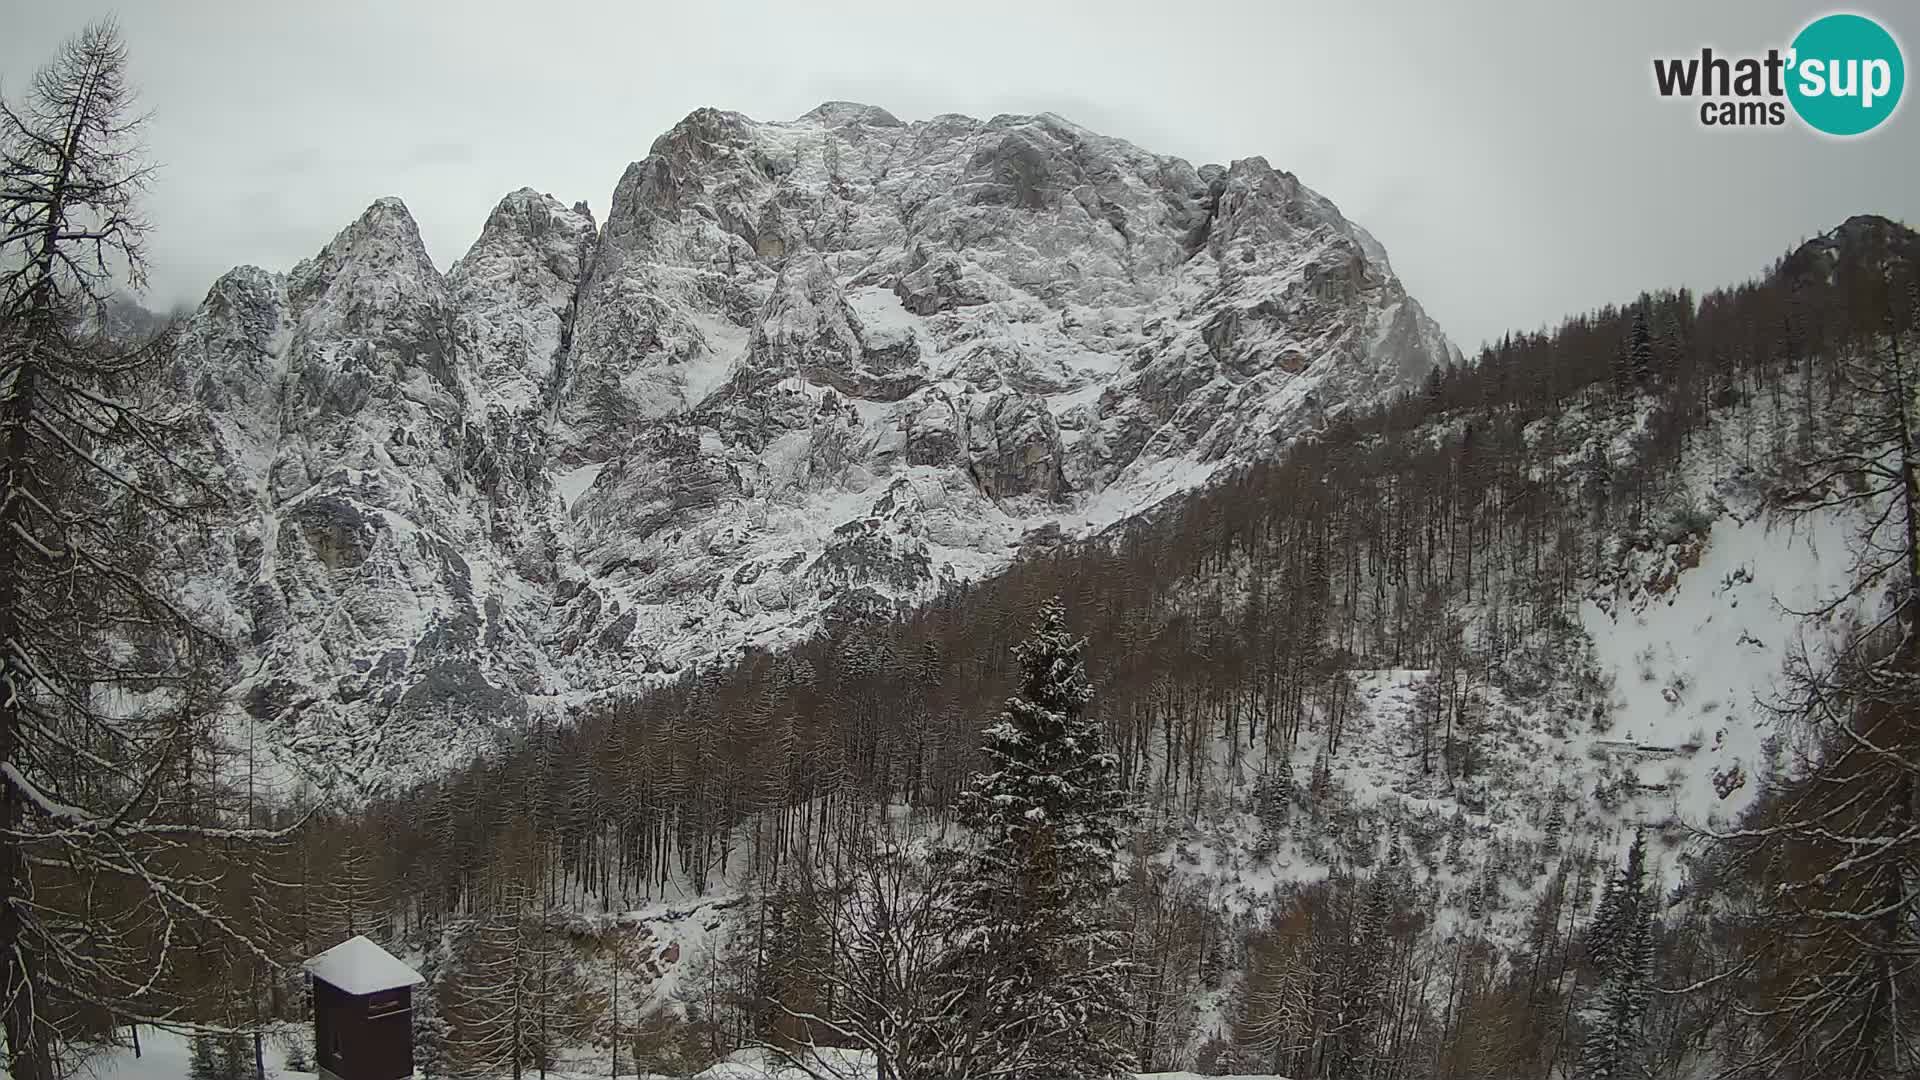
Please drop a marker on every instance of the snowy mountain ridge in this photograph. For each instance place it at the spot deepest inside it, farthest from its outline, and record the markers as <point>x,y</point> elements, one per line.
<point>807,368</point>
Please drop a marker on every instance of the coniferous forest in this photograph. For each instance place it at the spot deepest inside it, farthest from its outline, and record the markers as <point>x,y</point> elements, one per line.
<point>1135,804</point>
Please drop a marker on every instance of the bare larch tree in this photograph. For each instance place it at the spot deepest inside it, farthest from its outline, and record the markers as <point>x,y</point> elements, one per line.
<point>110,882</point>
<point>1837,856</point>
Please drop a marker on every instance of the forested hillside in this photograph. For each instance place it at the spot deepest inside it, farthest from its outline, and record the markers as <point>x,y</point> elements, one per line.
<point>1370,705</point>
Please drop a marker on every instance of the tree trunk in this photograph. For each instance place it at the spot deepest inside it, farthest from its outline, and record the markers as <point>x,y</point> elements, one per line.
<point>26,1042</point>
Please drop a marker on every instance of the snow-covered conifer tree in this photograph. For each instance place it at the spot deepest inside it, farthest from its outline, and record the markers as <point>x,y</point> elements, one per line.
<point>1620,946</point>
<point>1640,348</point>
<point>1036,979</point>
<point>1272,801</point>
<point>203,1059</point>
<point>1364,986</point>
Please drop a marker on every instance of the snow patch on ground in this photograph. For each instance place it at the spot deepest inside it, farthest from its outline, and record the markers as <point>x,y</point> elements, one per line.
<point>574,482</point>
<point>1695,664</point>
<point>165,1055</point>
<point>884,321</point>
<point>1143,487</point>
<point>726,343</point>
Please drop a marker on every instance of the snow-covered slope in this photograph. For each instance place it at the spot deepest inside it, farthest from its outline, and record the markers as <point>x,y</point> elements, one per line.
<point>806,367</point>
<point>1694,647</point>
<point>1663,717</point>
<point>1670,727</point>
<point>1663,724</point>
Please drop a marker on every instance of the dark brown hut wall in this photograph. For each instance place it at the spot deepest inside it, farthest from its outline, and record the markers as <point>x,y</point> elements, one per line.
<point>363,1036</point>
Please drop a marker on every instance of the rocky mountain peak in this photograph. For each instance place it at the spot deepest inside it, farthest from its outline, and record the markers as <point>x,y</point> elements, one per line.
<point>513,297</point>
<point>1868,240</point>
<point>530,217</point>
<point>370,263</point>
<point>231,352</point>
<point>849,114</point>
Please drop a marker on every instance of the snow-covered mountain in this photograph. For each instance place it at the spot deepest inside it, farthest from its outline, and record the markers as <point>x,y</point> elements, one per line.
<point>822,366</point>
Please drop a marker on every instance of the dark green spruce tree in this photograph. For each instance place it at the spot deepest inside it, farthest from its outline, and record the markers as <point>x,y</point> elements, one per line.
<point>1037,977</point>
<point>1640,349</point>
<point>203,1059</point>
<point>1620,946</point>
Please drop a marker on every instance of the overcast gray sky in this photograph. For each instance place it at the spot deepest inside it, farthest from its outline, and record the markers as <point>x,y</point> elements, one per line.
<point>1513,157</point>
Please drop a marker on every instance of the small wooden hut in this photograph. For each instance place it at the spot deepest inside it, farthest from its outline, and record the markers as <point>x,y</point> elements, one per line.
<point>362,1012</point>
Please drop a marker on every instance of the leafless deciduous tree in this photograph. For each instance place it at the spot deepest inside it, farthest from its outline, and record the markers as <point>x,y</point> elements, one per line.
<point>108,877</point>
<point>1834,989</point>
<point>885,936</point>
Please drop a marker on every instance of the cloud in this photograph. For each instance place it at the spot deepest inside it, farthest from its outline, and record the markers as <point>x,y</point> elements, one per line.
<point>1514,159</point>
<point>436,154</point>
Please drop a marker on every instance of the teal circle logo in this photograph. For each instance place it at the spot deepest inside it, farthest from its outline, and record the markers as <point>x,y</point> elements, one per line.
<point>1846,74</point>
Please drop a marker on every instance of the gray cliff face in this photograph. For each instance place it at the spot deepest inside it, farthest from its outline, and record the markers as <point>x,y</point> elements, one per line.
<point>805,368</point>
<point>380,606</point>
<point>512,301</point>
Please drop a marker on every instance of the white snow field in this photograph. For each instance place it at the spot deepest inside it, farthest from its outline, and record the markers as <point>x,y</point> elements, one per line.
<point>163,1056</point>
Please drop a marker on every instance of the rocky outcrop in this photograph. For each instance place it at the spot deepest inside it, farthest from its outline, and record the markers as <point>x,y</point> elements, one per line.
<point>1013,446</point>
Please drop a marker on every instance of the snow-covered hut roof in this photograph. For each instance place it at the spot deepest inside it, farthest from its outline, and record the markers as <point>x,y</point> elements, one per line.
<point>358,966</point>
